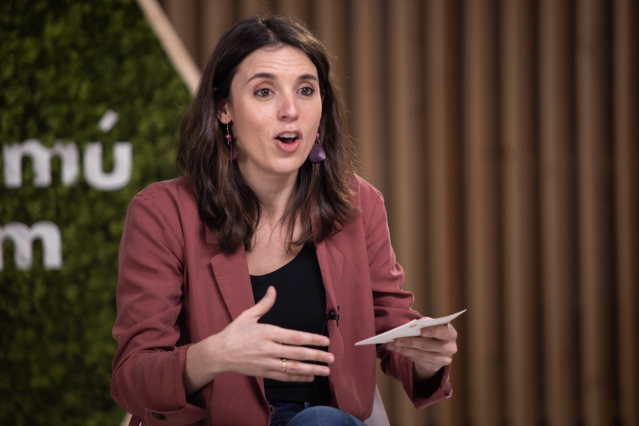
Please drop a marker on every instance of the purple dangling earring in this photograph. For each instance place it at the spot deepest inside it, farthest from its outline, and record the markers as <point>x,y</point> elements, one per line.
<point>232,150</point>
<point>317,154</point>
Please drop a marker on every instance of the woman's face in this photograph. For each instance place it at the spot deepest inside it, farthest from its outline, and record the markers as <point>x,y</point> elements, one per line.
<point>275,107</point>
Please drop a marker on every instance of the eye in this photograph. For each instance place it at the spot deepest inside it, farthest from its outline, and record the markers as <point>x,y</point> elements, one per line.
<point>307,91</point>
<point>262,93</point>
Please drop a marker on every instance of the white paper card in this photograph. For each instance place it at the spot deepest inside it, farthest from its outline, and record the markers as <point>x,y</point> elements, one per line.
<point>410,329</point>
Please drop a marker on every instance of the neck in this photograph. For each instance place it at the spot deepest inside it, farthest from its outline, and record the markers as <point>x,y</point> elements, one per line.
<point>274,192</point>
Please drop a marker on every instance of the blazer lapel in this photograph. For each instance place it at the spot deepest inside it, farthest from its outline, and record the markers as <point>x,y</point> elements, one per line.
<point>233,280</point>
<point>331,261</point>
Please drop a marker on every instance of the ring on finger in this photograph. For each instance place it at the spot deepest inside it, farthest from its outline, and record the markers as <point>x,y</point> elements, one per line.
<point>283,365</point>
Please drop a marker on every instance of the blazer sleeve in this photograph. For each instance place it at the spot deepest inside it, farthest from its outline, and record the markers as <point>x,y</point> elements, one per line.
<point>148,364</point>
<point>392,306</point>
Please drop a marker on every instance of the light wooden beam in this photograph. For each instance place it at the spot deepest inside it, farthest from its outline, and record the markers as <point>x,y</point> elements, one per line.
<point>175,50</point>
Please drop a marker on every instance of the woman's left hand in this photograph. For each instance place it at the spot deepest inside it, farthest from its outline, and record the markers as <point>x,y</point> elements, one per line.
<point>431,351</point>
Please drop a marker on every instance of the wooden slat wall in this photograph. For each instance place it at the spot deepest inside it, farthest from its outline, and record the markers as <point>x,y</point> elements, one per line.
<point>504,135</point>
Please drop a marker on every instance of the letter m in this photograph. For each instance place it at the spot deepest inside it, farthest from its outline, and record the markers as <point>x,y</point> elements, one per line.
<point>23,237</point>
<point>41,157</point>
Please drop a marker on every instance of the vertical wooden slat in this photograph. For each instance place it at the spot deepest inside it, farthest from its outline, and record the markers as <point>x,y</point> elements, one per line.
<point>367,100</point>
<point>329,19</point>
<point>558,226</point>
<point>626,90</point>
<point>595,212</point>
<point>443,118</point>
<point>407,221</point>
<point>215,17</point>
<point>367,97</point>
<point>520,214</point>
<point>297,9</point>
<point>183,16</point>
<point>480,75</point>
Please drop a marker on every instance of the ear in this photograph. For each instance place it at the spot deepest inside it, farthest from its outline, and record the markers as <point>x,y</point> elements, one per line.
<point>223,113</point>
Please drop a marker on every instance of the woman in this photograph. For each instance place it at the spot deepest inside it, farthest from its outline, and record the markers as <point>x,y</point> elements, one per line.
<point>269,204</point>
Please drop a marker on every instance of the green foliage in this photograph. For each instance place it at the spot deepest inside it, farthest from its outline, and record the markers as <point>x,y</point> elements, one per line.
<point>63,63</point>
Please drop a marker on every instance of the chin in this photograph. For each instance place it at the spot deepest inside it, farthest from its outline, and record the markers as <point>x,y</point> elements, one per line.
<point>288,166</point>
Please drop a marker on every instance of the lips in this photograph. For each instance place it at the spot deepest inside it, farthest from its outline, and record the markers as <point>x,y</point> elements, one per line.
<point>288,137</point>
<point>288,141</point>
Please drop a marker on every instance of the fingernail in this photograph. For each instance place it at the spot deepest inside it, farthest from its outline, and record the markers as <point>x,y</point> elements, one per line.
<point>269,290</point>
<point>390,346</point>
<point>310,378</point>
<point>426,332</point>
<point>329,358</point>
<point>324,342</point>
<point>325,371</point>
<point>398,343</point>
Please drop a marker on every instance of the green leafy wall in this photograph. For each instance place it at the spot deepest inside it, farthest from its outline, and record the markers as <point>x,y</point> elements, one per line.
<point>63,63</point>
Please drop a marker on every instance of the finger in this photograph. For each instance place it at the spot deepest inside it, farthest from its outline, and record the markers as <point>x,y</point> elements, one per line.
<point>434,359</point>
<point>285,377</point>
<point>442,332</point>
<point>304,354</point>
<point>299,368</point>
<point>297,338</point>
<point>263,306</point>
<point>446,347</point>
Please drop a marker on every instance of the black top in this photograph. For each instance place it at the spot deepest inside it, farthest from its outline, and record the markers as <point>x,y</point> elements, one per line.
<point>300,305</point>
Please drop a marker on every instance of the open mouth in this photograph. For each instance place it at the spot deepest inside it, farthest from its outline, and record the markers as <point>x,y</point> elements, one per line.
<point>287,138</point>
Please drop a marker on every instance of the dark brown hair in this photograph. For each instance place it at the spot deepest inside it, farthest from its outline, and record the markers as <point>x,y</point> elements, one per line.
<point>227,205</point>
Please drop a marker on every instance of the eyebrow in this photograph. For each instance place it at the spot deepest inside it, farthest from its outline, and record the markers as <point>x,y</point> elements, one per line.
<point>273,77</point>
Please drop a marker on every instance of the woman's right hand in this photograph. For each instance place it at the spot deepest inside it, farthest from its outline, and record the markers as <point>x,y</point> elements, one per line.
<point>253,349</point>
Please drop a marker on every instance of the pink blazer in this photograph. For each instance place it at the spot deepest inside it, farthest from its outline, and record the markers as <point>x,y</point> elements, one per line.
<point>175,288</point>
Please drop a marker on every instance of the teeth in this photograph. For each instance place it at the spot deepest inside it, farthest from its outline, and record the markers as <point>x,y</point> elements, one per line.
<point>288,135</point>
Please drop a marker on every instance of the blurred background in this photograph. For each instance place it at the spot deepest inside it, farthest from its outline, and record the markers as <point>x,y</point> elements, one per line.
<point>504,135</point>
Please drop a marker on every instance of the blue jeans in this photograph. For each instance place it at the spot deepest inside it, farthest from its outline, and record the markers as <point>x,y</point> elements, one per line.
<point>289,414</point>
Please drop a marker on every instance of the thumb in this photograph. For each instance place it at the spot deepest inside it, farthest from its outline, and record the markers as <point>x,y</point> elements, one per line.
<point>264,305</point>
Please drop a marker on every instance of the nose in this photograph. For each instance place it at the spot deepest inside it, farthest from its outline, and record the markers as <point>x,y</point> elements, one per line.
<point>288,110</point>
